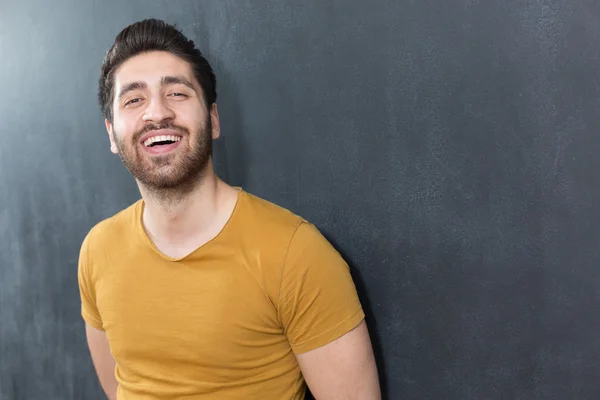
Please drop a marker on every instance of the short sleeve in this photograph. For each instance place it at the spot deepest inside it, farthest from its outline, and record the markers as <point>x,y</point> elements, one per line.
<point>318,302</point>
<point>89,311</point>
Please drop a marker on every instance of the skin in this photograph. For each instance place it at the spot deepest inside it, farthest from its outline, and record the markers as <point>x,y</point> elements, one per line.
<point>185,208</point>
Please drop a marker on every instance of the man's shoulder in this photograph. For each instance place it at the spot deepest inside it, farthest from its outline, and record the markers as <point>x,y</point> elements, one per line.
<point>280,225</point>
<point>264,215</point>
<point>115,227</point>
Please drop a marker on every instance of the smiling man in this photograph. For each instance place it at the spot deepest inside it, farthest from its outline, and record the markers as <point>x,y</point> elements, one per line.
<point>200,290</point>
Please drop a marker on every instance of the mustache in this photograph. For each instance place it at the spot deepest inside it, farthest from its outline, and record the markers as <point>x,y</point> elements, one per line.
<point>156,127</point>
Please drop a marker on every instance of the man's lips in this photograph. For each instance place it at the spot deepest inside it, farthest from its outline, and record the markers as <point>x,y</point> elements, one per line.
<point>160,135</point>
<point>162,148</point>
<point>159,132</point>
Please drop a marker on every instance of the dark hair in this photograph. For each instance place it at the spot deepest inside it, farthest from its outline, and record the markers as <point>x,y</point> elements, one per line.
<point>152,35</point>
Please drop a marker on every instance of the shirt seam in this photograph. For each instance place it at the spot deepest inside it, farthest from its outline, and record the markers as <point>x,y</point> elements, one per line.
<point>283,268</point>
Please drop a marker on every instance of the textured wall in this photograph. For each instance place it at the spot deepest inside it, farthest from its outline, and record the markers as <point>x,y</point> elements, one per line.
<point>448,149</point>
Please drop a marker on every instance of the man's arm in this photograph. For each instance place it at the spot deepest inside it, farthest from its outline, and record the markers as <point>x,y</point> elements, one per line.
<point>343,369</point>
<point>103,360</point>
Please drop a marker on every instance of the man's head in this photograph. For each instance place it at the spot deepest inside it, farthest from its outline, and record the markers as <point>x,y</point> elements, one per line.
<point>157,93</point>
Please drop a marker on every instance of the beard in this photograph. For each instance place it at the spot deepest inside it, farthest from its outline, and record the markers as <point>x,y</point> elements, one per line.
<point>168,175</point>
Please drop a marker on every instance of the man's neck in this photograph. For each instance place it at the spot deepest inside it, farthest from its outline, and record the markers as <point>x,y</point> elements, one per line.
<point>190,216</point>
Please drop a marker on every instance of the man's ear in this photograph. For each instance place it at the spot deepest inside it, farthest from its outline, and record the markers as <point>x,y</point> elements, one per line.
<point>111,136</point>
<point>214,119</point>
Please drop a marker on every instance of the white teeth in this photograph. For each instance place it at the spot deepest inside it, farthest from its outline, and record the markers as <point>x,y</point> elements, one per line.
<point>162,138</point>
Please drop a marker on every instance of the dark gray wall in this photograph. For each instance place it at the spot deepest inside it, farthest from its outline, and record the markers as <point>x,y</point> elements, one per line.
<point>449,149</point>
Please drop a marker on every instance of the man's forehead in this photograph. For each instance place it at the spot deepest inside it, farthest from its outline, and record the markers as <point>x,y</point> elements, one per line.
<point>151,68</point>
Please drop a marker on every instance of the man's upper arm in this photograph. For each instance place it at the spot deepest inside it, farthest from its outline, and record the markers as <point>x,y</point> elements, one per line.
<point>104,363</point>
<point>87,291</point>
<point>318,302</point>
<point>342,369</point>
<point>323,318</point>
<point>102,358</point>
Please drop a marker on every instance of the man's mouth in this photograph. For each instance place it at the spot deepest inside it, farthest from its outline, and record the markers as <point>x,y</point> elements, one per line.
<point>161,144</point>
<point>161,140</point>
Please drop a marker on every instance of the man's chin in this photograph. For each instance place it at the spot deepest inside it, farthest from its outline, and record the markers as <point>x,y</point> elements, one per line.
<point>170,182</point>
<point>166,174</point>
<point>161,182</point>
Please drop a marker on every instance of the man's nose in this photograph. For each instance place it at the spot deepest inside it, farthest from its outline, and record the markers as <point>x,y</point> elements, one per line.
<point>157,111</point>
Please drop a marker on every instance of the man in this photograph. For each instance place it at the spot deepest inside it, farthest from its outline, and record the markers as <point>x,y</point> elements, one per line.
<point>201,290</point>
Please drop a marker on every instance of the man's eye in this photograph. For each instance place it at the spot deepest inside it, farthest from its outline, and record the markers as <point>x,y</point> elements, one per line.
<point>132,101</point>
<point>177,95</point>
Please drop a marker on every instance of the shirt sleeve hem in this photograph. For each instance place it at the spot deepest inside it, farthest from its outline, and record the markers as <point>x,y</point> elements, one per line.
<point>92,321</point>
<point>331,334</point>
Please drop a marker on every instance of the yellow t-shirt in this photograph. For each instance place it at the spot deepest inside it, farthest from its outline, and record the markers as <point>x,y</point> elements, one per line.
<point>225,321</point>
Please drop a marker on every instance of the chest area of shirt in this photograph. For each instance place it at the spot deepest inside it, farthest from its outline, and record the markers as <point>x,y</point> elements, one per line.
<point>215,313</point>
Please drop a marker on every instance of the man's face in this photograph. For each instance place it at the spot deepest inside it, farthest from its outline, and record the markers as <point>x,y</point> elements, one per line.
<point>161,127</point>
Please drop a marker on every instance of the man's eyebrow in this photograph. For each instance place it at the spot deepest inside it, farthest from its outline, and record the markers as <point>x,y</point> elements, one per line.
<point>174,80</point>
<point>131,86</point>
<point>166,80</point>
